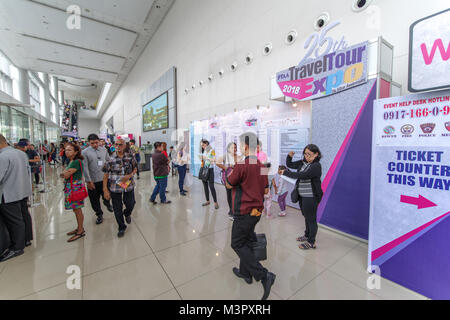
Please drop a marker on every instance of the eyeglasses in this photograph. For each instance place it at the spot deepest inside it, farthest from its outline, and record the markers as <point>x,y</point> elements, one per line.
<point>118,144</point>
<point>309,155</point>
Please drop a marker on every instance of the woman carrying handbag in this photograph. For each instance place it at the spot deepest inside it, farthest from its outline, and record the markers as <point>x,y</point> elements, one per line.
<point>74,189</point>
<point>227,163</point>
<point>206,174</point>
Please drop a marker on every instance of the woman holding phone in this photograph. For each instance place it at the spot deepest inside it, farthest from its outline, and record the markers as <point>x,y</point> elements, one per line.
<point>308,189</point>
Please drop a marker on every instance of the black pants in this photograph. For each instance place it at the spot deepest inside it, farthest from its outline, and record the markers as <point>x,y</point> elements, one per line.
<point>242,235</point>
<point>118,201</point>
<point>210,182</point>
<point>27,220</point>
<point>12,217</point>
<point>94,198</point>
<point>230,199</point>
<point>137,167</point>
<point>309,211</point>
<point>36,175</point>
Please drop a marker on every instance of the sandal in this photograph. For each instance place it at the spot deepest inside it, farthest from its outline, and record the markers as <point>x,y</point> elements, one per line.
<point>216,206</point>
<point>206,204</point>
<point>302,239</point>
<point>77,236</point>
<point>307,246</point>
<point>71,233</point>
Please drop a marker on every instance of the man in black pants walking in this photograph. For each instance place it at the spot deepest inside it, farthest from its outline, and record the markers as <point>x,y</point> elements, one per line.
<point>15,185</point>
<point>249,183</point>
<point>95,157</point>
<point>118,183</point>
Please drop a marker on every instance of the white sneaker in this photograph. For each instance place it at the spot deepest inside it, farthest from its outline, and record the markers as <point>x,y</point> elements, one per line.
<point>282,214</point>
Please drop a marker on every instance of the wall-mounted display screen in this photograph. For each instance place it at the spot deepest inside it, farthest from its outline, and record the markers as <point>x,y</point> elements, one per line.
<point>155,114</point>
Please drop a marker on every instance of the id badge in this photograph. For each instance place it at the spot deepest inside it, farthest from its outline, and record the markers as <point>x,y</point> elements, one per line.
<point>100,163</point>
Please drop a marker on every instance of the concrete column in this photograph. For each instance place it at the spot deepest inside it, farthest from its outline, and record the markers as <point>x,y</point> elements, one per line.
<point>24,86</point>
<point>47,102</point>
<point>55,89</point>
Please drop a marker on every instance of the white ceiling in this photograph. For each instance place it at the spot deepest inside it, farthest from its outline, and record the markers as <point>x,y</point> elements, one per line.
<point>112,36</point>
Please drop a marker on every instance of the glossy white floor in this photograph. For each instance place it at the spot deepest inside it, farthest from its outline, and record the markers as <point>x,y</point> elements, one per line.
<point>180,251</point>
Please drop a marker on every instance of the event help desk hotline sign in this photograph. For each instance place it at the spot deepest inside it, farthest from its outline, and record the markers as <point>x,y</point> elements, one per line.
<point>410,188</point>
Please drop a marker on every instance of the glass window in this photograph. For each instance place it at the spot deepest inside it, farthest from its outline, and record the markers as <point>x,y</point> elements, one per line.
<point>6,83</point>
<point>5,113</point>
<point>38,132</point>
<point>14,124</point>
<point>35,96</point>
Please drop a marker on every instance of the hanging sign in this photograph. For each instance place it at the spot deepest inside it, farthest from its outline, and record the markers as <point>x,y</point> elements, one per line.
<point>328,73</point>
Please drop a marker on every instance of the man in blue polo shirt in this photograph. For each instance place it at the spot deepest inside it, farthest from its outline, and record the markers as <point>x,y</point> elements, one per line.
<point>249,183</point>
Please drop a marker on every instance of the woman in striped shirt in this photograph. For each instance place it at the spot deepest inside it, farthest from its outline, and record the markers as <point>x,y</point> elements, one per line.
<point>309,189</point>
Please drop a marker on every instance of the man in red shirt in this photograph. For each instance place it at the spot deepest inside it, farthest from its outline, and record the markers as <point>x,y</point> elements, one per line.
<point>249,183</point>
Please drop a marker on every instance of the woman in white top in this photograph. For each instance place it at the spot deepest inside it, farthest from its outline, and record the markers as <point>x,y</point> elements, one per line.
<point>208,157</point>
<point>182,160</point>
<point>227,163</point>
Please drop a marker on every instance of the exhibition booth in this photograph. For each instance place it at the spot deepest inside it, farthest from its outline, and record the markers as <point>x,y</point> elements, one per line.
<point>386,173</point>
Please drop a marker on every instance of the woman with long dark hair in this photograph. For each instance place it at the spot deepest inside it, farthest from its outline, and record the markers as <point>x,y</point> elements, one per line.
<point>208,158</point>
<point>308,190</point>
<point>182,159</point>
<point>53,153</point>
<point>227,163</point>
<point>73,181</point>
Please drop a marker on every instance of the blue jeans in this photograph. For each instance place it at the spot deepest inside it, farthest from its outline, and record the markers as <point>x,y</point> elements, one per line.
<point>161,185</point>
<point>182,175</point>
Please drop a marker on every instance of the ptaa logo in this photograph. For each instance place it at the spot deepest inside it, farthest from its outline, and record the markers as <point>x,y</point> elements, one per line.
<point>251,122</point>
<point>407,129</point>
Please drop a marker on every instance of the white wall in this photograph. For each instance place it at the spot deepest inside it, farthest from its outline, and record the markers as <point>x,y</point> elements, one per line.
<point>200,37</point>
<point>88,126</point>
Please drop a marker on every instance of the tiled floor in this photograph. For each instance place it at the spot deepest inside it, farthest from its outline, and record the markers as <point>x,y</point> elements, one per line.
<point>180,251</point>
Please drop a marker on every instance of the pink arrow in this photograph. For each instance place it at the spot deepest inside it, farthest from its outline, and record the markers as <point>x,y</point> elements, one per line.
<point>420,202</point>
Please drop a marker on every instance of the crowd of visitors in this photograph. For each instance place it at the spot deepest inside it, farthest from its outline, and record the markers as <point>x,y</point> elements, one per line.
<point>105,173</point>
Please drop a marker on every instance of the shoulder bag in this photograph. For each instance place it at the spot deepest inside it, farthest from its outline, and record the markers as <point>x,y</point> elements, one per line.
<point>80,194</point>
<point>204,173</point>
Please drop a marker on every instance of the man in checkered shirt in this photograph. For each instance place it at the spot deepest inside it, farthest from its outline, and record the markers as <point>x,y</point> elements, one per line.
<point>118,183</point>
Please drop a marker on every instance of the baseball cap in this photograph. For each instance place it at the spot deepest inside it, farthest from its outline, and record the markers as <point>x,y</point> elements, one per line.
<point>22,144</point>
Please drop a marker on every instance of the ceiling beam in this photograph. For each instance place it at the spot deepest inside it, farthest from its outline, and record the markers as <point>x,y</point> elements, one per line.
<point>77,66</point>
<point>71,45</point>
